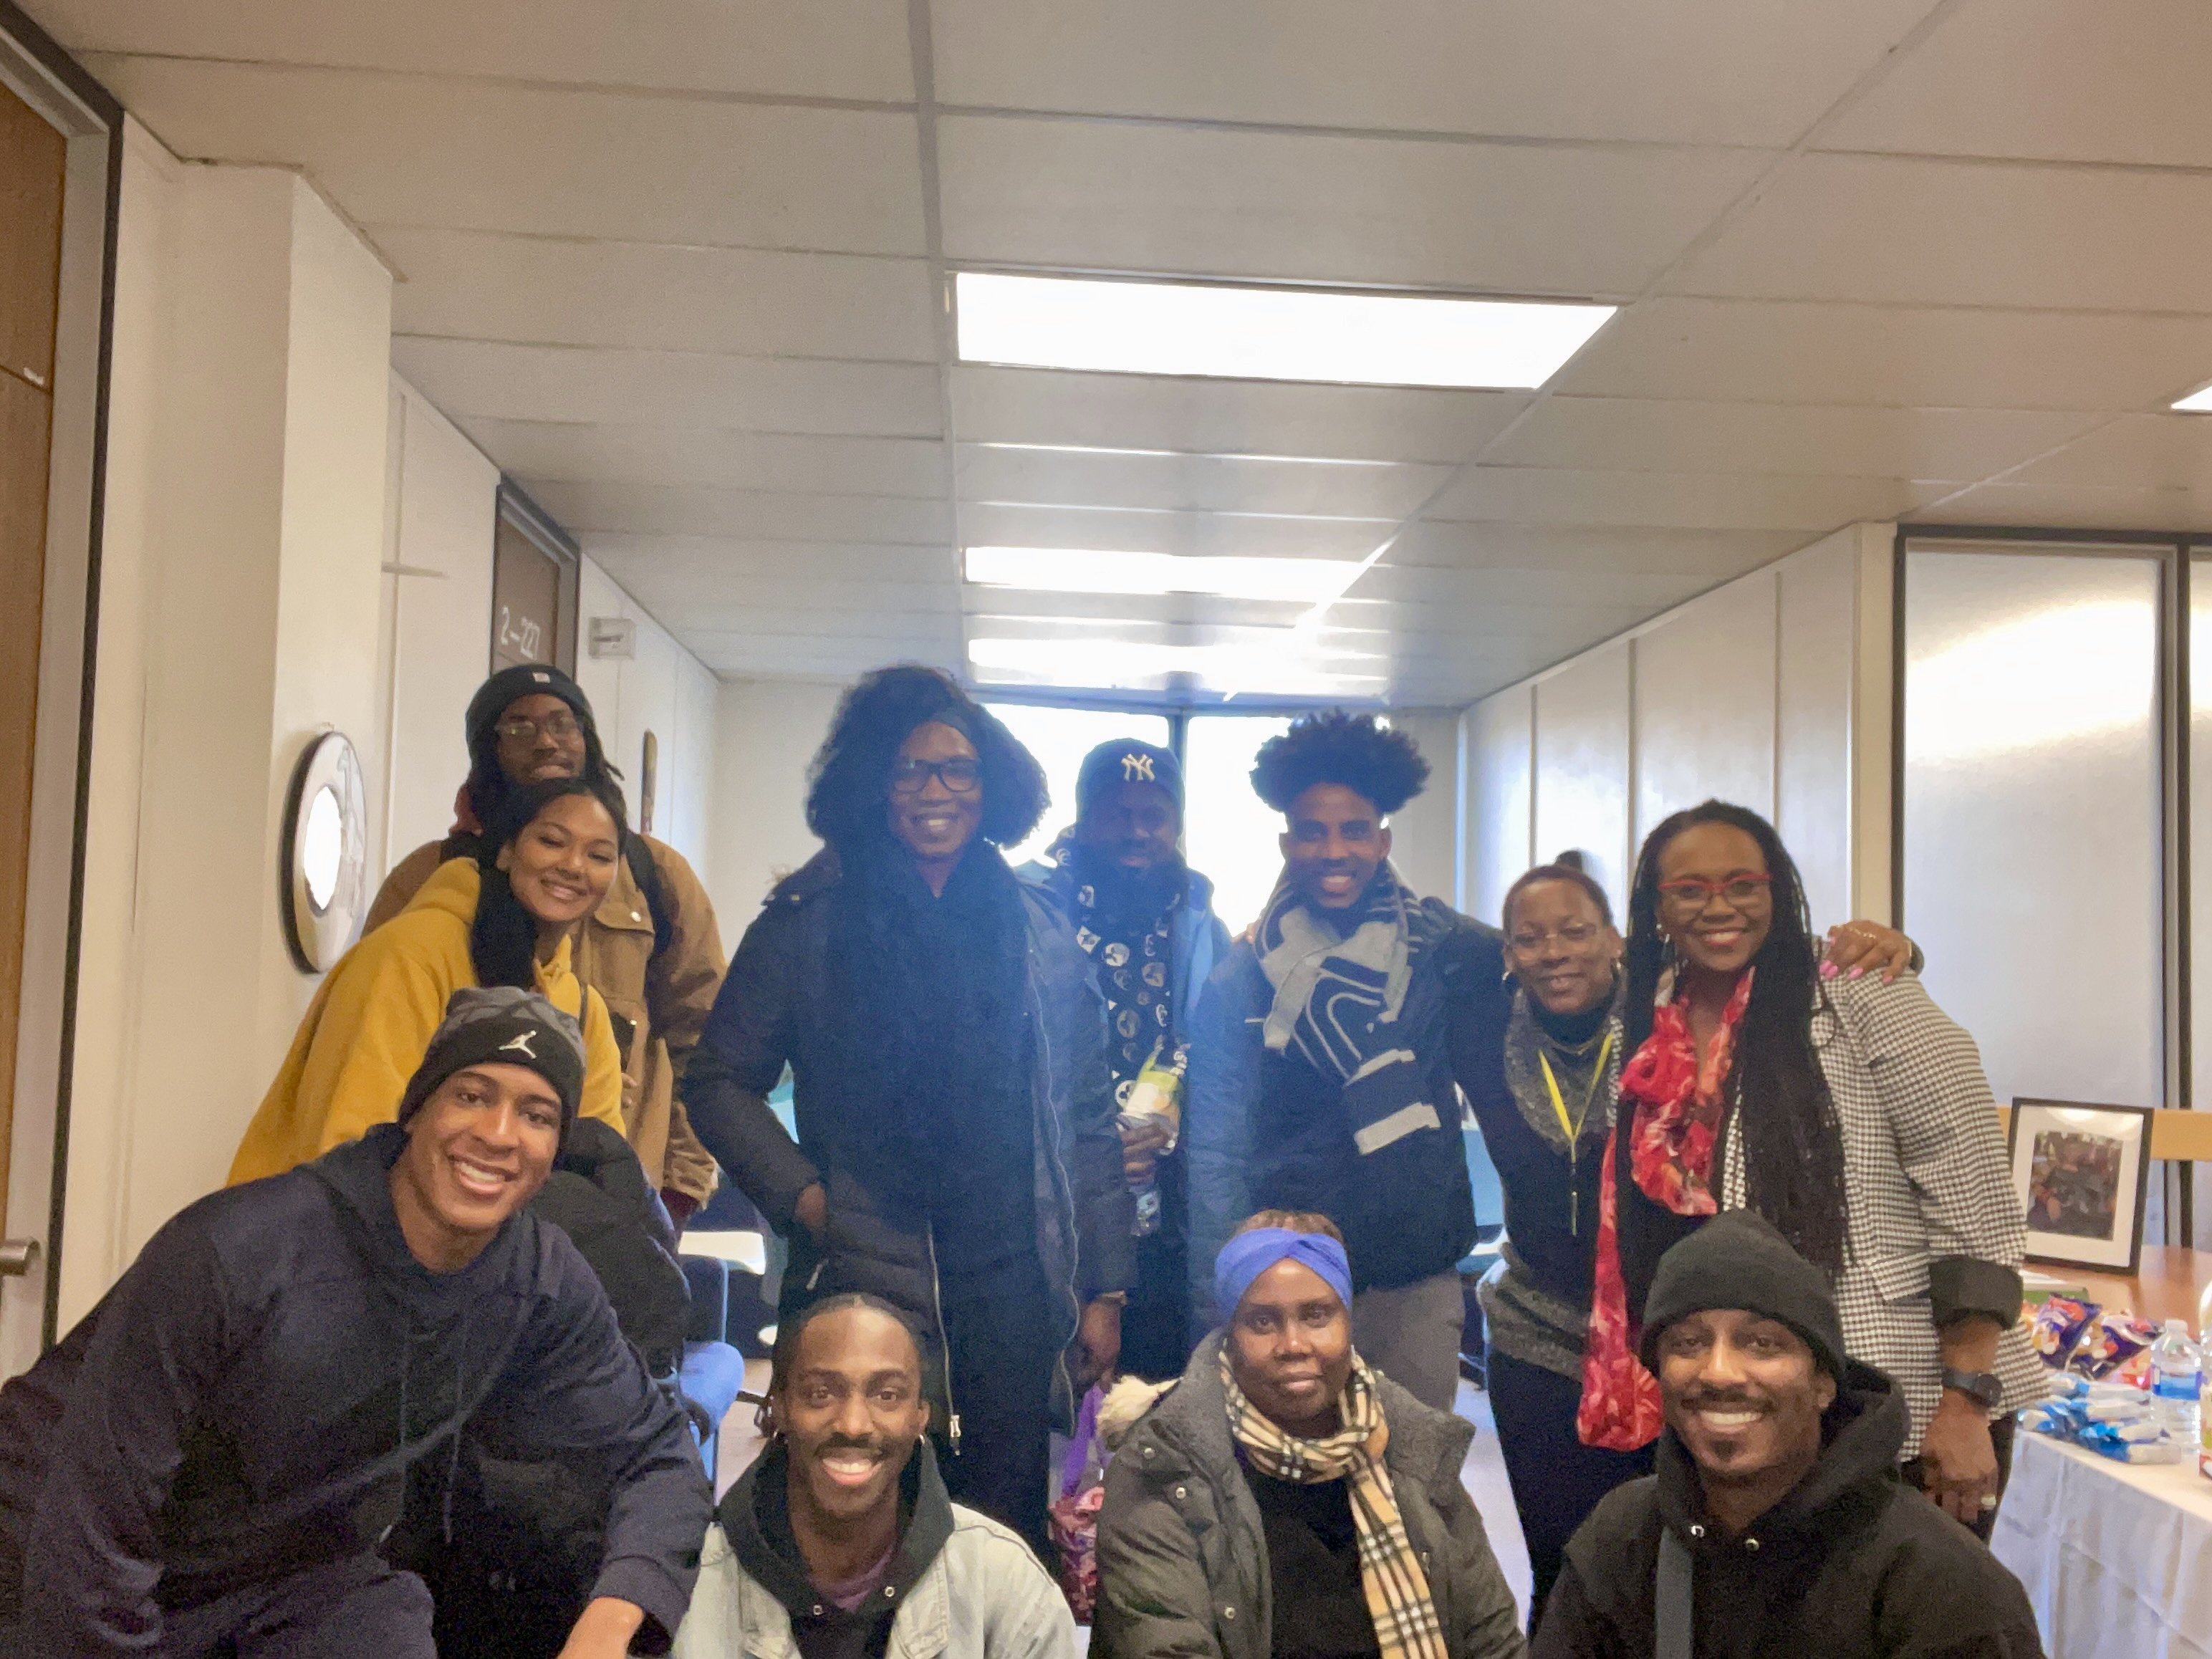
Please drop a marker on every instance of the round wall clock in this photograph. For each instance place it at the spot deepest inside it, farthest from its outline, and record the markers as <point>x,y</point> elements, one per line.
<point>324,872</point>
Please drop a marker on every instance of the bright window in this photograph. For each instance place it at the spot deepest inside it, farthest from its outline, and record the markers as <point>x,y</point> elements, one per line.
<point>1060,738</point>
<point>1230,833</point>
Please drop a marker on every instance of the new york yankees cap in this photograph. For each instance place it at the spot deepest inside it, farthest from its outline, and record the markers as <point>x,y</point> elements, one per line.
<point>503,1025</point>
<point>1126,761</point>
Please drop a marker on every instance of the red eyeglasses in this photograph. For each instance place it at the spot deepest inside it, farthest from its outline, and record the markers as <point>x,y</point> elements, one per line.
<point>1695,893</point>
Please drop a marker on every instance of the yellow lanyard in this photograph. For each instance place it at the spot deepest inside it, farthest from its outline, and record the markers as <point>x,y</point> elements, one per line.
<point>1573,1129</point>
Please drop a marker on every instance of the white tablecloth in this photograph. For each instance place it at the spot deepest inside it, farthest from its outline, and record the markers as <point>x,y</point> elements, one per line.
<point>2116,1556</point>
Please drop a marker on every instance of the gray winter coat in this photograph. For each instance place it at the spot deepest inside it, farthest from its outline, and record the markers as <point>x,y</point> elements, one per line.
<point>1182,1559</point>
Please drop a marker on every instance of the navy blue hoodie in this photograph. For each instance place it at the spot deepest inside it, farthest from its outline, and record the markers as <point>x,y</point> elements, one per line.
<point>248,1398</point>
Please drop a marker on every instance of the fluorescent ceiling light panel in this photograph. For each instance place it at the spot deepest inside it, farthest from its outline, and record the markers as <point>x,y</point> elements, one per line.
<point>1106,664</point>
<point>1085,570</point>
<point>1266,333</point>
<point>2198,402</point>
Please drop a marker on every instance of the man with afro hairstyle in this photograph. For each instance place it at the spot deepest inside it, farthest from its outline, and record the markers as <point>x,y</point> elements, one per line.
<point>1321,1075</point>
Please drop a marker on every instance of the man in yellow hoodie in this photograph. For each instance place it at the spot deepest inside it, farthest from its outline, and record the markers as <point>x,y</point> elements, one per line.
<point>369,1024</point>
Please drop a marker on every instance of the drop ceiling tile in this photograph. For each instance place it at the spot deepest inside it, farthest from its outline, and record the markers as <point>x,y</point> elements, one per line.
<point>408,151</point>
<point>2063,80</point>
<point>1010,525</point>
<point>714,562</point>
<point>1425,594</point>
<point>750,603</point>
<point>1792,352</point>
<point>544,291</point>
<point>2074,507</point>
<point>1808,440</point>
<point>1709,555</point>
<point>468,378</point>
<point>1708,71</point>
<point>830,654</point>
<point>820,48</point>
<point>885,633</point>
<point>2133,451</point>
<point>1185,200</point>
<point>1195,483</point>
<point>1219,417</point>
<point>1923,232</point>
<point>718,461</point>
<point>1688,501</point>
<point>650,509</point>
<point>1099,612</point>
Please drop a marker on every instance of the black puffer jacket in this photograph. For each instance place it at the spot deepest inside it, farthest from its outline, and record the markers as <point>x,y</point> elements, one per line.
<point>775,1008</point>
<point>1851,1564</point>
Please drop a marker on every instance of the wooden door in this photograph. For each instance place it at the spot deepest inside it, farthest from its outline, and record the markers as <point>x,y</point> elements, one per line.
<point>32,158</point>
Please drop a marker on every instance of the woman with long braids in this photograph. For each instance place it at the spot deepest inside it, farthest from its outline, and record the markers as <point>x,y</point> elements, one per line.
<point>1547,1131</point>
<point>1854,1116</point>
<point>506,917</point>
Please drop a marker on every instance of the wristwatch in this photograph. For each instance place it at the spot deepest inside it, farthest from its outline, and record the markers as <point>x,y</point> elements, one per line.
<point>1984,1388</point>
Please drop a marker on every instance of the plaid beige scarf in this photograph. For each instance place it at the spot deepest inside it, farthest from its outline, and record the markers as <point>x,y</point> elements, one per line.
<point>1398,1600</point>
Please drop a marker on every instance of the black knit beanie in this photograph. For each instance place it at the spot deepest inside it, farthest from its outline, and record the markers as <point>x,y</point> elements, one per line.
<point>1737,1259</point>
<point>522,680</point>
<point>502,1025</point>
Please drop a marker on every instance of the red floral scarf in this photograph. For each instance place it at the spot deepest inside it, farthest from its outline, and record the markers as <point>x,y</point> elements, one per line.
<point>1671,1107</point>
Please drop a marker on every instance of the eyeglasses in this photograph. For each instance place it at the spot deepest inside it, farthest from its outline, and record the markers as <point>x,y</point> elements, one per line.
<point>1576,933</point>
<point>522,729</point>
<point>1695,893</point>
<point>960,775</point>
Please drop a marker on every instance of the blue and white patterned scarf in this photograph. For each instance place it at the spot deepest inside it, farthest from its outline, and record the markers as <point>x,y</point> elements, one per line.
<point>1351,1005</point>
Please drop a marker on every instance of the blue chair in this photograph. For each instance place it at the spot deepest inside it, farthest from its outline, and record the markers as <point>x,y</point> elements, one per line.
<point>713,1371</point>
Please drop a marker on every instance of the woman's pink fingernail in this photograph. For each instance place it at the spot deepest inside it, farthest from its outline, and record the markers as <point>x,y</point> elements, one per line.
<point>1856,972</point>
<point>1828,970</point>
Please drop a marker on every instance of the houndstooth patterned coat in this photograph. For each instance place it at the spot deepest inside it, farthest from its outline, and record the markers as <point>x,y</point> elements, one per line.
<point>1927,1187</point>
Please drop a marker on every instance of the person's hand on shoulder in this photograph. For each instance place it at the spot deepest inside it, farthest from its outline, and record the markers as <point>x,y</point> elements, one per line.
<point>1857,948</point>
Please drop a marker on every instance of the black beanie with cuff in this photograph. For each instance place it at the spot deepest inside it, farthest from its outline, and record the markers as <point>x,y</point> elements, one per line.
<point>1738,1260</point>
<point>511,684</point>
<point>502,1025</point>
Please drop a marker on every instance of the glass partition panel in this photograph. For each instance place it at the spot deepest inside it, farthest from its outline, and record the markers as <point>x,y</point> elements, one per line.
<point>2033,820</point>
<point>1060,738</point>
<point>1230,833</point>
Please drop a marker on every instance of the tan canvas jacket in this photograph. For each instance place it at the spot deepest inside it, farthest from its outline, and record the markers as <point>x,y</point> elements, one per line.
<point>667,1000</point>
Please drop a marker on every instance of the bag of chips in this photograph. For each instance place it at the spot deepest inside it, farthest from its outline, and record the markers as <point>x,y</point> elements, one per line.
<point>2111,1343</point>
<point>2058,1327</point>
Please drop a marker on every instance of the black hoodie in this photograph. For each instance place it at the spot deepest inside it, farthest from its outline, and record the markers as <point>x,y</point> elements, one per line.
<point>248,1398</point>
<point>755,1518</point>
<point>1850,1565</point>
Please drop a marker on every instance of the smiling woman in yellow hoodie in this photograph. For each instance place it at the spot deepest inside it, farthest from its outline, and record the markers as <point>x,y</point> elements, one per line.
<point>506,924</point>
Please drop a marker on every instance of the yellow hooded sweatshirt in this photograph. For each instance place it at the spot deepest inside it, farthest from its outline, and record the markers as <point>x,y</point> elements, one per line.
<point>372,1021</point>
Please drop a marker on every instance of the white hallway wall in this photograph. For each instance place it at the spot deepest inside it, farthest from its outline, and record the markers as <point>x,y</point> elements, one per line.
<point>239,618</point>
<point>663,689</point>
<point>1773,691</point>
<point>265,472</point>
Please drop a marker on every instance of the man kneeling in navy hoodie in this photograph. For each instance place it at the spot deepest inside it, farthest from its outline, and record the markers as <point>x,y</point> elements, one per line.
<point>210,1462</point>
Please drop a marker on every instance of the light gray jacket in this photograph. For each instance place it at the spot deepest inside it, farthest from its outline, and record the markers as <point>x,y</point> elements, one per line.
<point>1183,1556</point>
<point>984,1597</point>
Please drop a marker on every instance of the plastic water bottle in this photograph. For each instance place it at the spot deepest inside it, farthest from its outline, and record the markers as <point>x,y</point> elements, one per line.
<point>2176,1371</point>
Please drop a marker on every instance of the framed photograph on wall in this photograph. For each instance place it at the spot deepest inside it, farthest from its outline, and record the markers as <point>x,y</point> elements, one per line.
<point>2080,1174</point>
